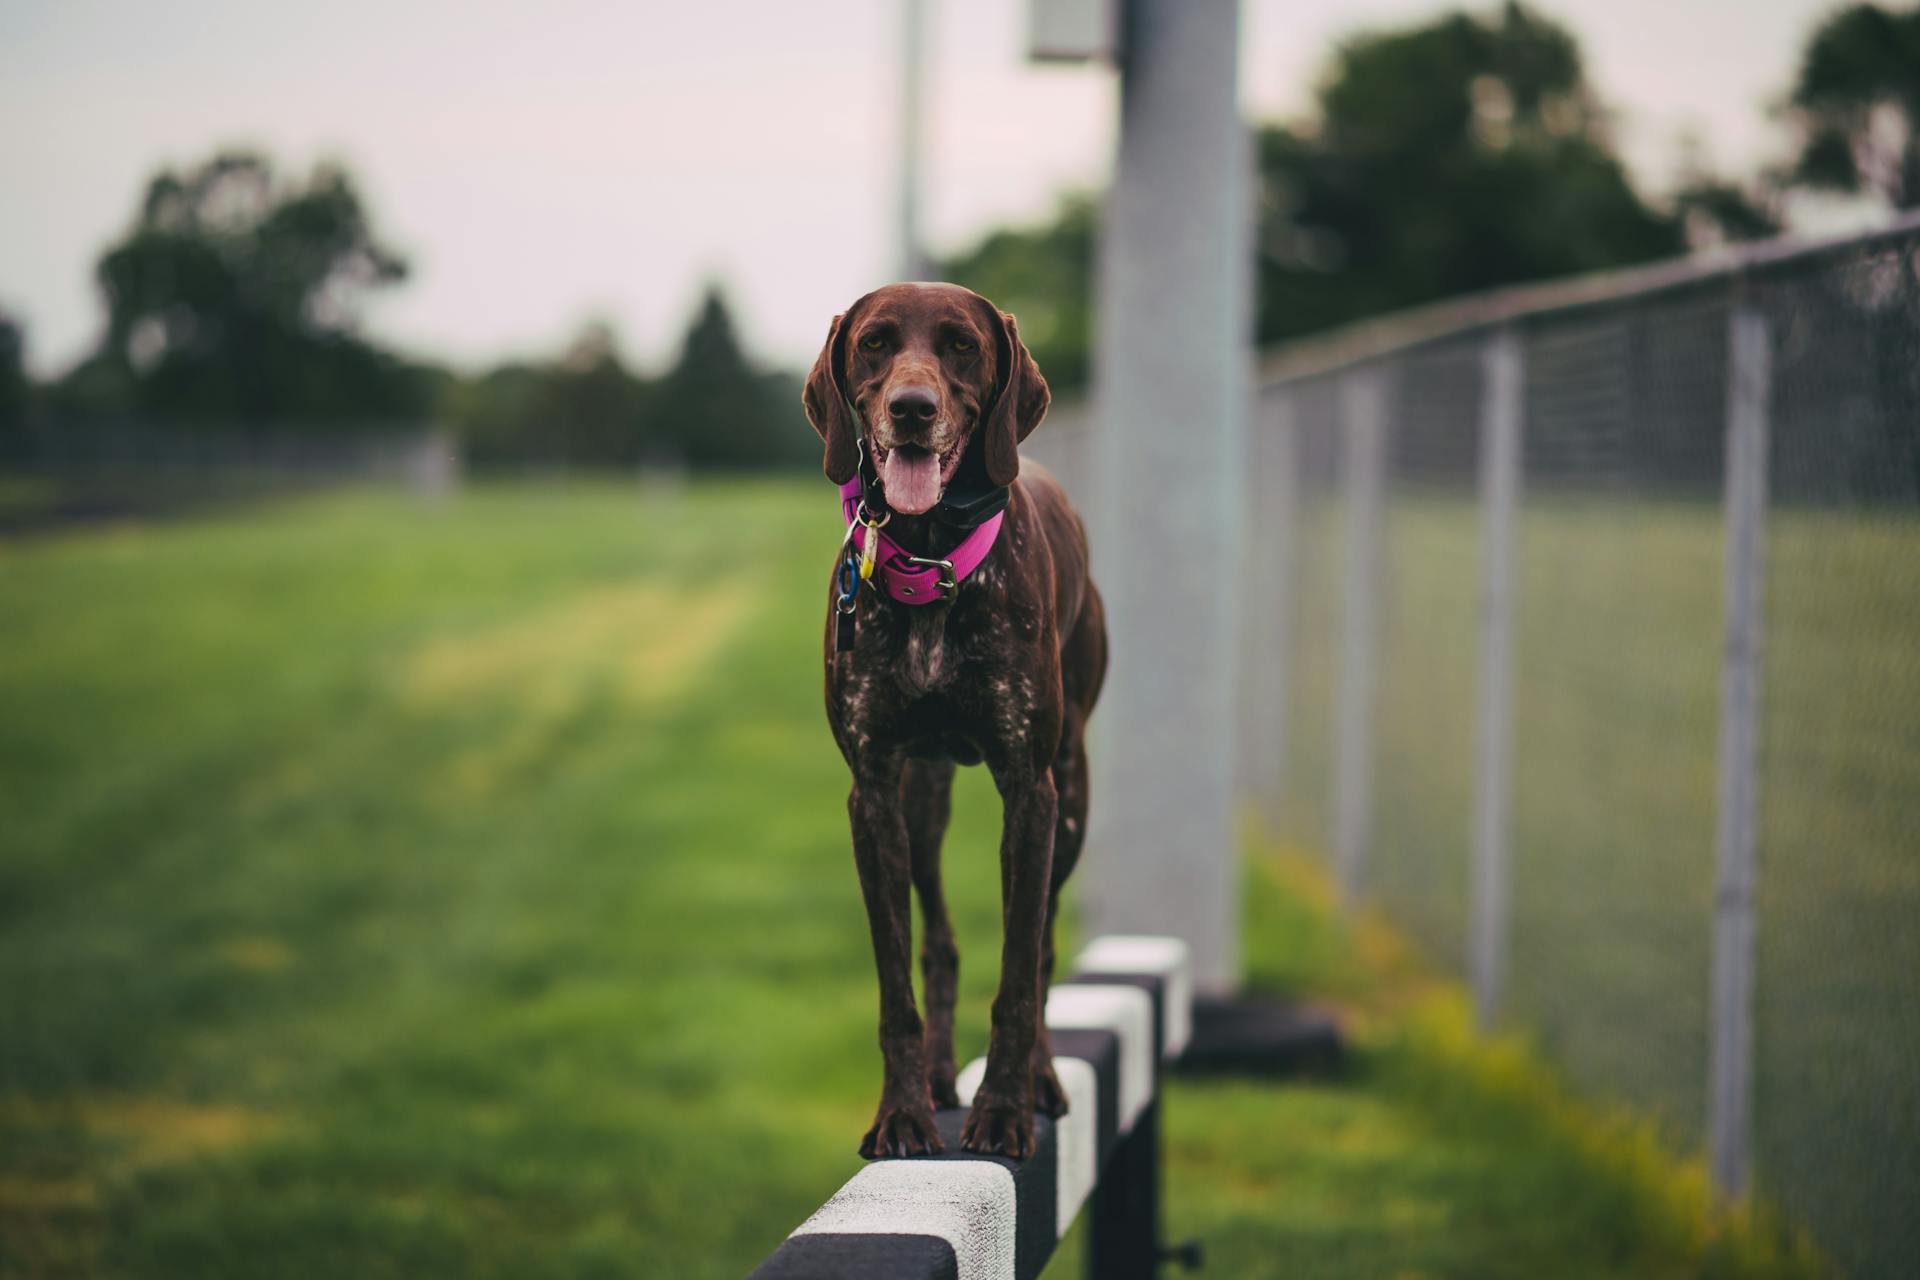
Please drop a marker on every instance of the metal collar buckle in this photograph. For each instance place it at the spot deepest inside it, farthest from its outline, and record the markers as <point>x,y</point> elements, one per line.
<point>947,584</point>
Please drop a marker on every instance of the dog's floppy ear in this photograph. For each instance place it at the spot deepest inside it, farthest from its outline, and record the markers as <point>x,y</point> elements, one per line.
<point>825,398</point>
<point>1020,404</point>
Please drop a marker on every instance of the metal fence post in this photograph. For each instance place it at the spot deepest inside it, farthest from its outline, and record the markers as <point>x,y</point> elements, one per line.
<point>1730,1059</point>
<point>1267,655</point>
<point>1363,408</point>
<point>1502,392</point>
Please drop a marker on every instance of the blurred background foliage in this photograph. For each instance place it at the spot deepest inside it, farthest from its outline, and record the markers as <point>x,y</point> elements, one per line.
<point>1857,105</point>
<point>1471,152</point>
<point>232,299</point>
<point>233,302</point>
<point>587,407</point>
<point>1465,152</point>
<point>1445,159</point>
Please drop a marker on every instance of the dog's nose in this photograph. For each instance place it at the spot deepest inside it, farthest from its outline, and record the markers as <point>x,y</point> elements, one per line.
<point>913,406</point>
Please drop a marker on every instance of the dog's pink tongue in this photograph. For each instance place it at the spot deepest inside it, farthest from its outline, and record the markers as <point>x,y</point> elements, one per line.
<point>912,482</point>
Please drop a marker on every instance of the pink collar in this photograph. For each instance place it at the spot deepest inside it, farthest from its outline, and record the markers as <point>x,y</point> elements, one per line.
<point>912,579</point>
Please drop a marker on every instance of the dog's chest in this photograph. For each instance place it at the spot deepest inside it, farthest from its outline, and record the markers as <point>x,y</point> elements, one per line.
<point>939,654</point>
<point>927,659</point>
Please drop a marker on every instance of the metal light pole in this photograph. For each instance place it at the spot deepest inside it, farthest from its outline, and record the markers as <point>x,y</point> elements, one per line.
<point>1174,369</point>
<point>913,24</point>
<point>1173,382</point>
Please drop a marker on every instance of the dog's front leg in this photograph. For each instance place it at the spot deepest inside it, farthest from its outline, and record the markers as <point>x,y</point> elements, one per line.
<point>926,796</point>
<point>1001,1122</point>
<point>903,1124</point>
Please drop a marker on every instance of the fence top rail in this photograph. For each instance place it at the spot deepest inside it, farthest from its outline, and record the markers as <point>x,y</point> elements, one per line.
<point>1127,1009</point>
<point>1456,317</point>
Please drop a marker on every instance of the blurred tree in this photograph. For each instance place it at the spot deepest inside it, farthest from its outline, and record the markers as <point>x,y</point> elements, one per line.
<point>584,409</point>
<point>15,390</point>
<point>714,408</point>
<point>1461,154</point>
<point>1044,276</point>
<point>719,410</point>
<point>1857,104</point>
<point>496,415</point>
<point>1719,210</point>
<point>233,298</point>
<point>1455,156</point>
<point>594,403</point>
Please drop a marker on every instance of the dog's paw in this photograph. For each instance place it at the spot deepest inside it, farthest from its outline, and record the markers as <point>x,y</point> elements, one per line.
<point>901,1131</point>
<point>999,1129</point>
<point>1049,1099</point>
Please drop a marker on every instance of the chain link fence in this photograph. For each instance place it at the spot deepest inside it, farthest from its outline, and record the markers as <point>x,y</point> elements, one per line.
<point>1837,1030</point>
<point>1582,635</point>
<point>1584,638</point>
<point>53,474</point>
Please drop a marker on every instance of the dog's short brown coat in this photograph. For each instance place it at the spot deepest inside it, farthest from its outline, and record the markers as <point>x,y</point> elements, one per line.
<point>1006,672</point>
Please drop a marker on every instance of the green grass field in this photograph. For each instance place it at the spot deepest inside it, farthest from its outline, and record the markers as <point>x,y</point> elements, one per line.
<point>399,891</point>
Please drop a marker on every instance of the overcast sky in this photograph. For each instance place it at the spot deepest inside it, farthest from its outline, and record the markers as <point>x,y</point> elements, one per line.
<point>540,163</point>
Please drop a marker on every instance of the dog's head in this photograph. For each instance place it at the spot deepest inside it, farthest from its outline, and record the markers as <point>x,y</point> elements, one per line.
<point>917,371</point>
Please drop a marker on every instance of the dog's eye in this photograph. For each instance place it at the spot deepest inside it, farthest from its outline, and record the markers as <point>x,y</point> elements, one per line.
<point>961,344</point>
<point>873,344</point>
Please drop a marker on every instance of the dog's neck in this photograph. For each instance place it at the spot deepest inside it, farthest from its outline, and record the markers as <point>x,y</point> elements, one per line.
<point>933,553</point>
<point>924,535</point>
<point>924,664</point>
<point>935,533</point>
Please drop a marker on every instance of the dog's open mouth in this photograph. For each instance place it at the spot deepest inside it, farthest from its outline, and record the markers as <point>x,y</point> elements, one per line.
<point>914,476</point>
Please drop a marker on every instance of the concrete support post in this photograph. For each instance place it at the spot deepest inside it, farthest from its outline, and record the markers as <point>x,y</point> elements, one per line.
<point>1502,395</point>
<point>1363,431</point>
<point>1730,1059</point>
<point>1173,371</point>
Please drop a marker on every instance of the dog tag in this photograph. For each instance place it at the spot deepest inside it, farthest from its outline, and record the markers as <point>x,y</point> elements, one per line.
<point>869,549</point>
<point>843,633</point>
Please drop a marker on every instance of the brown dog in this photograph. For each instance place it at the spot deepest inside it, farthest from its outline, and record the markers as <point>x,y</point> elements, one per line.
<point>925,390</point>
